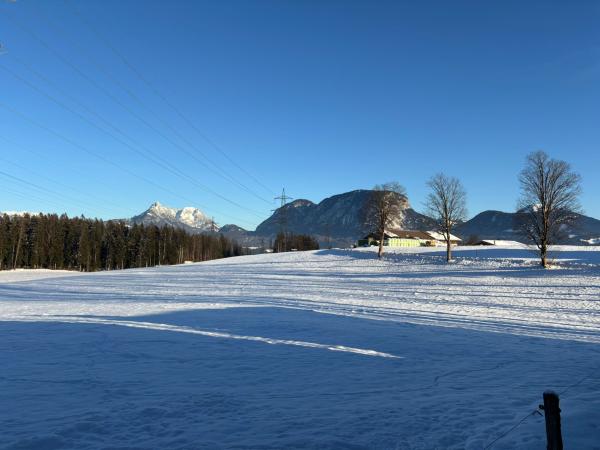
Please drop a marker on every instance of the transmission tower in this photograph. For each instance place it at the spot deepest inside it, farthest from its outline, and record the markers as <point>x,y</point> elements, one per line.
<point>282,219</point>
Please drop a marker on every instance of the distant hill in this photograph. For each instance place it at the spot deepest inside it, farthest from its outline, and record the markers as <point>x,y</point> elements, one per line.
<point>489,225</point>
<point>244,237</point>
<point>336,219</point>
<point>500,225</point>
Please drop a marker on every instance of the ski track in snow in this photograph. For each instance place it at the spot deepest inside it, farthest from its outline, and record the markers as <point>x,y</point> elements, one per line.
<point>406,352</point>
<point>180,329</point>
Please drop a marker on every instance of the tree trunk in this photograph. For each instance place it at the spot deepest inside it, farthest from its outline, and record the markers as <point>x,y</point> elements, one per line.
<point>448,250</point>
<point>380,252</point>
<point>18,247</point>
<point>543,254</point>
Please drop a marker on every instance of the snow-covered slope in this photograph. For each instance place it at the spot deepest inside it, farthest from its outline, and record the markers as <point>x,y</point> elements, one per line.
<point>191,219</point>
<point>326,349</point>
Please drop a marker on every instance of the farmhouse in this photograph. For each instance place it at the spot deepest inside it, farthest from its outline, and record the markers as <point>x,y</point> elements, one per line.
<point>407,238</point>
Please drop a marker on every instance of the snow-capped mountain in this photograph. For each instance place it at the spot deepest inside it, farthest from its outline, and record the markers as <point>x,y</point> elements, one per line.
<point>337,220</point>
<point>189,218</point>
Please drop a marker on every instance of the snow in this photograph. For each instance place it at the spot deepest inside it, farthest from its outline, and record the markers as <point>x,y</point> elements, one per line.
<point>160,210</point>
<point>190,216</point>
<point>19,213</point>
<point>8,276</point>
<point>440,237</point>
<point>591,241</point>
<point>325,349</point>
<point>504,243</point>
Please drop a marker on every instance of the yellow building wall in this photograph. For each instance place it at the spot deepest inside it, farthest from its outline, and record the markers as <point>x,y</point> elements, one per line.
<point>402,242</point>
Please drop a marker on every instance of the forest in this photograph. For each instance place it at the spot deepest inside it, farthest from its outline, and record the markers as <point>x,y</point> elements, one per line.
<point>286,242</point>
<point>59,242</point>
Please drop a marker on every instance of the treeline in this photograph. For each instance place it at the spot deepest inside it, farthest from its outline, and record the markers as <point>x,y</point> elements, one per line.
<point>59,242</point>
<point>286,242</point>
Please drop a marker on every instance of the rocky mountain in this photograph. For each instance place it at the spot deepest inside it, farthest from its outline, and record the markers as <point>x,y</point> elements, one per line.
<point>190,219</point>
<point>337,219</point>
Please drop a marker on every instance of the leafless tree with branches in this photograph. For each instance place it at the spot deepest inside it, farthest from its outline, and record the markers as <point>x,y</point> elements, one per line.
<point>447,205</point>
<point>384,208</point>
<point>549,201</point>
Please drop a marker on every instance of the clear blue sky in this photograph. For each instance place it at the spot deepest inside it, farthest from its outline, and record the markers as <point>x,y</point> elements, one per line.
<point>321,97</point>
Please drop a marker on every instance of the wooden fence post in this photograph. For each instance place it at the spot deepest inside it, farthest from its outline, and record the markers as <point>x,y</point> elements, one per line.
<point>552,415</point>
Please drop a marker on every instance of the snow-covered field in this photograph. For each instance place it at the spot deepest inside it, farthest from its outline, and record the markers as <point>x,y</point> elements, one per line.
<point>320,350</point>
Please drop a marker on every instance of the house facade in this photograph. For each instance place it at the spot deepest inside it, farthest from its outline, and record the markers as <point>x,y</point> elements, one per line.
<point>408,238</point>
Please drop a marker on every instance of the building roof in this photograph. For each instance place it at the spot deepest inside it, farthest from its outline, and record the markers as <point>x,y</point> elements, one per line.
<point>408,234</point>
<point>414,234</point>
<point>440,237</point>
<point>424,235</point>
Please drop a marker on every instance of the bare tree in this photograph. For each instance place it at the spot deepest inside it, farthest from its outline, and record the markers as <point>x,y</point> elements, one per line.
<point>549,201</point>
<point>447,205</point>
<point>384,208</point>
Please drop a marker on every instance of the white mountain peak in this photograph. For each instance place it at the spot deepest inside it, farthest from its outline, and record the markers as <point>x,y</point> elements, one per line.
<point>192,216</point>
<point>188,216</point>
<point>161,210</point>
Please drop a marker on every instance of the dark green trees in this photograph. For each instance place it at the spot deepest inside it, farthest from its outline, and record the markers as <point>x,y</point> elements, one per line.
<point>53,242</point>
<point>295,242</point>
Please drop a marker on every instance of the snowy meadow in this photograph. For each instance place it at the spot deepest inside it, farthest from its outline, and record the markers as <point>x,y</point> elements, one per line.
<point>314,350</point>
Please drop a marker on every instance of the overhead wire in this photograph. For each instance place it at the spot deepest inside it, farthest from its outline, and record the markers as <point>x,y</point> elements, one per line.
<point>106,160</point>
<point>215,169</point>
<point>156,92</point>
<point>156,159</point>
<point>29,196</point>
<point>118,101</point>
<point>39,189</point>
<point>113,206</point>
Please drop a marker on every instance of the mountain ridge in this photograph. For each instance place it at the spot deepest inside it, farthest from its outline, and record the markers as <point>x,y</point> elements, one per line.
<point>337,221</point>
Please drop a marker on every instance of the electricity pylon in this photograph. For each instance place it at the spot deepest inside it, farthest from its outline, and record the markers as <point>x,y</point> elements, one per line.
<point>282,219</point>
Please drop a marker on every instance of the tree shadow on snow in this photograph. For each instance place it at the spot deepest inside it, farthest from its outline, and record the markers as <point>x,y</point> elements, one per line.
<point>99,385</point>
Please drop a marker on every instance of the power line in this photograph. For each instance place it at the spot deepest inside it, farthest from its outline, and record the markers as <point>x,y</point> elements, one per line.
<point>57,183</point>
<point>106,122</point>
<point>283,198</point>
<point>29,196</point>
<point>156,159</point>
<point>103,158</point>
<point>161,96</point>
<point>55,198</point>
<point>38,187</point>
<point>116,100</point>
<point>215,169</point>
<point>282,216</point>
<point>39,190</point>
<point>282,211</point>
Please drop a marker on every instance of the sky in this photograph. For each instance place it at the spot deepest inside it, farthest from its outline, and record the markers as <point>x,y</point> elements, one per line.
<point>107,106</point>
